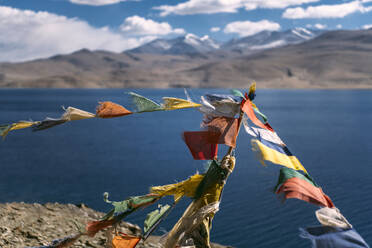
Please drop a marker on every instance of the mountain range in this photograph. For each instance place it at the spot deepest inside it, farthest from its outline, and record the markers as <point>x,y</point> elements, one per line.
<point>297,58</point>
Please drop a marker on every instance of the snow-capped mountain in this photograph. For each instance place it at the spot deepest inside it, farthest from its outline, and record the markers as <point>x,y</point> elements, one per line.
<point>188,44</point>
<point>271,39</point>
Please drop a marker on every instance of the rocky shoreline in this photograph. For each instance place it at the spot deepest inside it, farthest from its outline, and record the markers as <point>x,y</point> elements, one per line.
<point>27,225</point>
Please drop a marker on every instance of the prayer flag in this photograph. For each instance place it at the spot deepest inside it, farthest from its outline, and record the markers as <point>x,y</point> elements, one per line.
<point>172,103</point>
<point>74,114</point>
<point>93,227</point>
<point>110,110</point>
<point>153,217</point>
<point>288,173</point>
<point>226,128</point>
<point>333,237</point>
<point>125,241</point>
<point>247,108</point>
<point>187,187</point>
<point>202,144</point>
<point>237,93</point>
<point>48,123</point>
<point>252,91</point>
<point>5,129</point>
<point>143,104</point>
<point>262,134</point>
<point>303,190</point>
<point>276,154</point>
<point>217,105</point>
<point>332,217</point>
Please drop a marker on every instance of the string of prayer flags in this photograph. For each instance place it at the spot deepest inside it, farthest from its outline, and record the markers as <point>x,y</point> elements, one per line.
<point>202,144</point>
<point>247,108</point>
<point>5,129</point>
<point>276,154</point>
<point>185,188</point>
<point>110,110</point>
<point>125,241</point>
<point>153,217</point>
<point>226,128</point>
<point>173,103</point>
<point>332,217</point>
<point>333,237</point>
<point>143,104</point>
<point>74,114</point>
<point>48,123</point>
<point>303,190</point>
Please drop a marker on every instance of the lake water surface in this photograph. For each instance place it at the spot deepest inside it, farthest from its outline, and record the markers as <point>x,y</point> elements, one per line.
<point>328,130</point>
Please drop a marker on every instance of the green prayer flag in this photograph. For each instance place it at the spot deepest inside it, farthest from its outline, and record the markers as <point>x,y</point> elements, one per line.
<point>257,111</point>
<point>236,92</point>
<point>153,217</point>
<point>143,104</point>
<point>287,173</point>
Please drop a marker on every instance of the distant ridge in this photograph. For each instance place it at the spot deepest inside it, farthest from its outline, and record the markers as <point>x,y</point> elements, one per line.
<point>331,59</point>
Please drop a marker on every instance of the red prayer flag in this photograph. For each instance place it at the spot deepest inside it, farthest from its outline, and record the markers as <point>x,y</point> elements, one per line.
<point>202,144</point>
<point>226,129</point>
<point>110,110</point>
<point>247,108</point>
<point>303,190</point>
<point>93,227</point>
<point>125,241</point>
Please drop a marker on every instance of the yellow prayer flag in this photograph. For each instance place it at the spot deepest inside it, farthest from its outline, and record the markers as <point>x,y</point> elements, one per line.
<point>172,103</point>
<point>276,157</point>
<point>187,188</point>
<point>18,125</point>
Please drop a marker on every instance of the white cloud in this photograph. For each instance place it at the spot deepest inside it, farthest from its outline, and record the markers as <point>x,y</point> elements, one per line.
<point>247,28</point>
<point>96,2</point>
<point>338,26</point>
<point>326,11</point>
<point>367,26</point>
<point>215,29</point>
<point>191,7</point>
<point>320,26</point>
<point>31,35</point>
<point>137,26</point>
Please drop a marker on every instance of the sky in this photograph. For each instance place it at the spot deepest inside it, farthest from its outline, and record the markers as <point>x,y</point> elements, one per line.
<point>31,29</point>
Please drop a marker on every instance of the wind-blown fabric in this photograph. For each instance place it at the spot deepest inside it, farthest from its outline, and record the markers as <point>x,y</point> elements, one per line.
<point>333,237</point>
<point>247,108</point>
<point>48,123</point>
<point>172,103</point>
<point>220,105</point>
<point>257,111</point>
<point>143,104</point>
<point>287,173</point>
<point>125,241</point>
<point>74,114</point>
<point>332,217</point>
<point>187,188</point>
<point>252,91</point>
<point>237,93</point>
<point>276,154</point>
<point>111,110</point>
<point>225,127</point>
<point>153,217</point>
<point>202,144</point>
<point>95,226</point>
<point>5,129</point>
<point>262,134</point>
<point>305,191</point>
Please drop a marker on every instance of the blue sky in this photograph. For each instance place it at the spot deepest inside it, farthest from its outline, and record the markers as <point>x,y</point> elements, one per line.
<point>40,28</point>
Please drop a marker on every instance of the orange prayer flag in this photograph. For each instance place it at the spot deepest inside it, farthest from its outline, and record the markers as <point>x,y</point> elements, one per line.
<point>125,241</point>
<point>303,190</point>
<point>247,108</point>
<point>225,127</point>
<point>110,110</point>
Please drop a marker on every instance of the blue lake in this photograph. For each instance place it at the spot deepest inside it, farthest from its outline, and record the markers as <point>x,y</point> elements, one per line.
<point>328,130</point>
